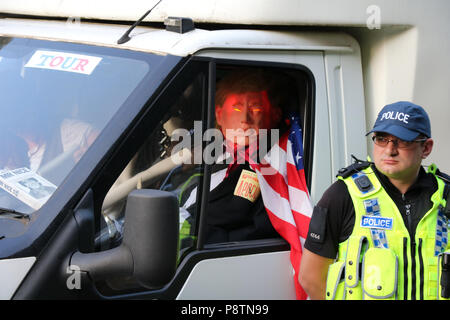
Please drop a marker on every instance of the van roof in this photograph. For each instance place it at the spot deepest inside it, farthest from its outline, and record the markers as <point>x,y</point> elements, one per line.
<point>249,12</point>
<point>159,40</point>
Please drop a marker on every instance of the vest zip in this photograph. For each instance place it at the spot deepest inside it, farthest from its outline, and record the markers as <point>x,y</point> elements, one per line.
<point>413,249</point>
<point>405,268</point>
<point>408,215</point>
<point>422,280</point>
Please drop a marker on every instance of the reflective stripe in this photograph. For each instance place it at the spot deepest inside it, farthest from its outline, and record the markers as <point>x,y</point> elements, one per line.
<point>405,269</point>
<point>378,236</point>
<point>421,272</point>
<point>441,233</point>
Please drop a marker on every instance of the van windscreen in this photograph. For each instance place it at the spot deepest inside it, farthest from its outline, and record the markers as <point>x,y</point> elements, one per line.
<point>55,99</point>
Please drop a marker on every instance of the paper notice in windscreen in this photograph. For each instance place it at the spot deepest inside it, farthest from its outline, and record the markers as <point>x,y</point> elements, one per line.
<point>63,61</point>
<point>27,186</point>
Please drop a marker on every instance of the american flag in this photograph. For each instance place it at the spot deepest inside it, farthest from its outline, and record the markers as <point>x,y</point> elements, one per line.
<point>285,195</point>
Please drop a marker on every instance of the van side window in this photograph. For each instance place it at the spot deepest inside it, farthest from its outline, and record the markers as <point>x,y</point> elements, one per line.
<point>251,105</point>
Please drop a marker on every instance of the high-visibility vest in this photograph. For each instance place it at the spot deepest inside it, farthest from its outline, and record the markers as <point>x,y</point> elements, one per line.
<point>380,260</point>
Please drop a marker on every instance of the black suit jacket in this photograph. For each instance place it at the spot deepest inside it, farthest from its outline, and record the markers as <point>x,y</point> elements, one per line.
<point>233,218</point>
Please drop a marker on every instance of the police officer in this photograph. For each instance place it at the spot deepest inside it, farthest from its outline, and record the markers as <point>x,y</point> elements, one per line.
<point>379,229</point>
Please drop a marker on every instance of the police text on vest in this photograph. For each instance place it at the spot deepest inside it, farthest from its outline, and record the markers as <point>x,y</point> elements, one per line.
<point>376,222</point>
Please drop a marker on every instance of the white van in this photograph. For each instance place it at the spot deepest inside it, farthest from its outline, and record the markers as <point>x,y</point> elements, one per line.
<point>69,77</point>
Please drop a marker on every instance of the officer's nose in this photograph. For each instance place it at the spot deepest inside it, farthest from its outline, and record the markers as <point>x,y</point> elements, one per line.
<point>391,148</point>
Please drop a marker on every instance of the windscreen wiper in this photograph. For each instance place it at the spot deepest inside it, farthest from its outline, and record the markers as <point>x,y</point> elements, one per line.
<point>125,36</point>
<point>14,213</point>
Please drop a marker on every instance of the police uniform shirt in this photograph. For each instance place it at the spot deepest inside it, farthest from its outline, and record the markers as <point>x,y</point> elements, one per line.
<point>231,217</point>
<point>333,217</point>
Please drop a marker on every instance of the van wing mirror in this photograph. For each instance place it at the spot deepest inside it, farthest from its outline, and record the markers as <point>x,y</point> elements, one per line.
<point>149,248</point>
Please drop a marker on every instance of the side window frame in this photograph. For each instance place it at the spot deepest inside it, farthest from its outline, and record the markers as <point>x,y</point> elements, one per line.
<point>307,118</point>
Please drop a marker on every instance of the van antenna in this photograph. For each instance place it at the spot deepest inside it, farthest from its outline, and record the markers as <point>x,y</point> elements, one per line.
<point>125,36</point>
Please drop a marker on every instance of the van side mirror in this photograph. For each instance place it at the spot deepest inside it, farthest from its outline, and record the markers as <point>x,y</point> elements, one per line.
<point>149,248</point>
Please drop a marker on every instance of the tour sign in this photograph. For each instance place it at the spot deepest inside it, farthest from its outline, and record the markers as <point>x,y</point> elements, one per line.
<point>63,61</point>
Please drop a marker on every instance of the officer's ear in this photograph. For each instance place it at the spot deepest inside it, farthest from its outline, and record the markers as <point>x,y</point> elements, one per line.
<point>427,147</point>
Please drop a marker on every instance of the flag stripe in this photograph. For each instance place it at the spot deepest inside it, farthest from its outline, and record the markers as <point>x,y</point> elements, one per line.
<point>276,182</point>
<point>277,159</point>
<point>302,223</point>
<point>275,203</point>
<point>289,231</point>
<point>301,202</point>
<point>294,179</point>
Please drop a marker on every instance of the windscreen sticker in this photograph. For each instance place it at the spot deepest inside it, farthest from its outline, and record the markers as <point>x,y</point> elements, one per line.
<point>63,61</point>
<point>27,186</point>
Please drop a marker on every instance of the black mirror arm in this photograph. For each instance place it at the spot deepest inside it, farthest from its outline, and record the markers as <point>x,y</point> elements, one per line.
<point>105,264</point>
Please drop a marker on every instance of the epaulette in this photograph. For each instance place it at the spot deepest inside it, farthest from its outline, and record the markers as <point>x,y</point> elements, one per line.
<point>355,167</point>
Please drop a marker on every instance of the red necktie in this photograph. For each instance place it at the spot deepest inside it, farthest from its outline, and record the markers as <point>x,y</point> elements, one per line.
<point>240,156</point>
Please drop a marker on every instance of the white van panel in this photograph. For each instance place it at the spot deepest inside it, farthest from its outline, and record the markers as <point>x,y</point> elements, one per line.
<point>257,276</point>
<point>12,273</point>
<point>346,108</point>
